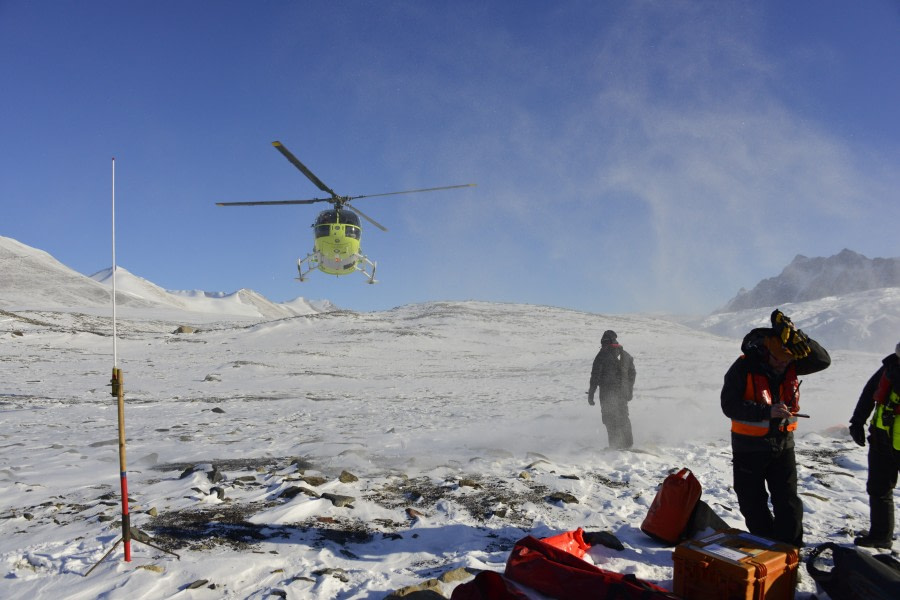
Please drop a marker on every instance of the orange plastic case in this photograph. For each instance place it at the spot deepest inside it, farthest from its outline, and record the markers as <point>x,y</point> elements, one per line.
<point>735,565</point>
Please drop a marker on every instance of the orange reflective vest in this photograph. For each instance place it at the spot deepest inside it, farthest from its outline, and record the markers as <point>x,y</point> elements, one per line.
<point>757,390</point>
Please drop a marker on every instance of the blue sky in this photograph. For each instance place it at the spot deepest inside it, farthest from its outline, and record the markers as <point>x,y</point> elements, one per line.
<point>630,156</point>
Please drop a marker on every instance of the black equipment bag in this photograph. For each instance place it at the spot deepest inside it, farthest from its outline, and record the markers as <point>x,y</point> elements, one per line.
<point>856,574</point>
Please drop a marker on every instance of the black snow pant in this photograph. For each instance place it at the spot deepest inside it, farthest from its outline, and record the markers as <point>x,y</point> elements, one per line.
<point>775,467</point>
<point>884,466</point>
<point>614,412</point>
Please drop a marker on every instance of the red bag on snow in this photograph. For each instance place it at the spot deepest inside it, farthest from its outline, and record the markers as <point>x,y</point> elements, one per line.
<point>558,574</point>
<point>570,541</point>
<point>487,585</point>
<point>671,509</point>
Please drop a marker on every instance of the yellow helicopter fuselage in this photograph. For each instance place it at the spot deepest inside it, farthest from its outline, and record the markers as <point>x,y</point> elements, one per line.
<point>337,241</point>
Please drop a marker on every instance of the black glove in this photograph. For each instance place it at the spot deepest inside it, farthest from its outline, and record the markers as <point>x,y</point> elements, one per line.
<point>591,396</point>
<point>796,342</point>
<point>858,433</point>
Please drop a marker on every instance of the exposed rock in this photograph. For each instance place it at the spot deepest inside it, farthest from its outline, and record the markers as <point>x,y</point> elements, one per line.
<point>347,477</point>
<point>314,480</point>
<point>215,475</point>
<point>185,329</point>
<point>414,514</point>
<point>340,501</point>
<point>152,568</point>
<point>301,463</point>
<point>427,590</point>
<point>460,574</point>
<point>197,584</point>
<point>563,497</point>
<point>296,490</point>
<point>337,573</point>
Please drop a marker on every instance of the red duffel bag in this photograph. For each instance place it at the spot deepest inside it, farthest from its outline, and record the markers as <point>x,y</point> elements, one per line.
<point>558,574</point>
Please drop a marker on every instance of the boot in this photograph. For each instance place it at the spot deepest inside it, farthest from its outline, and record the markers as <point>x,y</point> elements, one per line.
<point>881,517</point>
<point>867,541</point>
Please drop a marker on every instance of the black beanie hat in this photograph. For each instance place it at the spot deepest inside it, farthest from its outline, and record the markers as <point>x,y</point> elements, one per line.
<point>609,337</point>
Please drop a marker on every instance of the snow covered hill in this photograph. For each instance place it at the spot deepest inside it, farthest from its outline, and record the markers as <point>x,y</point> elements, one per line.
<point>242,302</point>
<point>32,280</point>
<point>867,321</point>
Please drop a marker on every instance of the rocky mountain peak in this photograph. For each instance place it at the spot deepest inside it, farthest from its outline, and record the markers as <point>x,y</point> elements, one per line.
<point>807,279</point>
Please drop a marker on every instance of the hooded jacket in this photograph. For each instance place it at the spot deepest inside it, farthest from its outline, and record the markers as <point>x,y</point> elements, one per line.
<point>613,373</point>
<point>877,391</point>
<point>738,403</point>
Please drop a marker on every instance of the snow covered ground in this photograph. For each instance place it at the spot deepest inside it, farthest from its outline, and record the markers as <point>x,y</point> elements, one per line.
<point>449,426</point>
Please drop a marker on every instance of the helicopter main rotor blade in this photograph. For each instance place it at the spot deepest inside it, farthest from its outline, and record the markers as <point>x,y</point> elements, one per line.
<point>274,202</point>
<point>309,174</point>
<point>366,217</point>
<point>434,189</point>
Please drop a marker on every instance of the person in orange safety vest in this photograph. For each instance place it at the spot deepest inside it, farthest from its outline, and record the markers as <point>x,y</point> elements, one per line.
<point>761,396</point>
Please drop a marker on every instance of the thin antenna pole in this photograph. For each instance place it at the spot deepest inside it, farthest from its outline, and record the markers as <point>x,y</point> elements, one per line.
<point>115,339</point>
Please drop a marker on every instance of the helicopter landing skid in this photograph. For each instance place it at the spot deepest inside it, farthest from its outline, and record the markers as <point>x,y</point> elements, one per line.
<point>370,276</point>
<point>312,263</point>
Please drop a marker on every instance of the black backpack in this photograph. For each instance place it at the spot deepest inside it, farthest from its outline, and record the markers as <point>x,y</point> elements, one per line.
<point>856,574</point>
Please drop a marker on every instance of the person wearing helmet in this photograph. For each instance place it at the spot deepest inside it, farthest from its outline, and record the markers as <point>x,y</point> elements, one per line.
<point>881,393</point>
<point>761,396</point>
<point>612,378</point>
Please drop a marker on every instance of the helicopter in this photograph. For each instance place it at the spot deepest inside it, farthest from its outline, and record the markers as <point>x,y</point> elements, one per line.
<point>337,231</point>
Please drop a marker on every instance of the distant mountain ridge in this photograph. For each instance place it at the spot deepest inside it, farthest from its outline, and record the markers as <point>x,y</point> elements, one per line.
<point>33,282</point>
<point>31,279</point>
<point>806,279</point>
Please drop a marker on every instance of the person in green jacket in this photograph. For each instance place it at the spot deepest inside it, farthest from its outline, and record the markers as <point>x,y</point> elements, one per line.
<point>881,393</point>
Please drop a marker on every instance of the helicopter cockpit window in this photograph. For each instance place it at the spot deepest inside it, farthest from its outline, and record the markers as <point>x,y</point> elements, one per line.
<point>349,217</point>
<point>327,216</point>
<point>323,230</point>
<point>351,232</point>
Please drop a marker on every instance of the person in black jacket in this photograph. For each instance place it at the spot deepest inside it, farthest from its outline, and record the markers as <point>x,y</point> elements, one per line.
<point>761,395</point>
<point>881,393</point>
<point>613,375</point>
